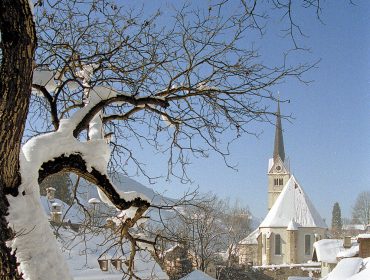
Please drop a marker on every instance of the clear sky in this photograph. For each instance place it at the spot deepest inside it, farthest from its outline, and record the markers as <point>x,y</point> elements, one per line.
<point>328,141</point>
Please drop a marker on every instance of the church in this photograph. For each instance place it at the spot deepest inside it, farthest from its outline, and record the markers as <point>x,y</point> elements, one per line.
<point>292,225</point>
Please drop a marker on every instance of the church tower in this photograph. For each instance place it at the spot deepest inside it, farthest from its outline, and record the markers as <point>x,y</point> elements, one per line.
<point>278,169</point>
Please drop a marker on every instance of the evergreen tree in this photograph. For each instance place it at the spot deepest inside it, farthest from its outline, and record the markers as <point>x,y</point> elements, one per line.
<point>336,221</point>
<point>62,185</point>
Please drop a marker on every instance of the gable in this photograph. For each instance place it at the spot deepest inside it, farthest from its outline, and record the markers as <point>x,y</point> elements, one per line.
<point>277,166</point>
<point>293,204</point>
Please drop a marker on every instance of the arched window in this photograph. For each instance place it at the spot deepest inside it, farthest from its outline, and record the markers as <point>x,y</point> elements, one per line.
<point>277,244</point>
<point>307,245</point>
<point>276,182</point>
<point>281,181</point>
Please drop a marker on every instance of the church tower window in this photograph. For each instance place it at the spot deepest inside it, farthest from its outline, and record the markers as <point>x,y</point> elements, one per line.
<point>277,244</point>
<point>307,245</point>
<point>281,181</point>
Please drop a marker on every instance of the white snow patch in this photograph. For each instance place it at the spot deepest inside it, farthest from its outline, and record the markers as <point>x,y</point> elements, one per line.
<point>327,249</point>
<point>35,241</point>
<point>45,78</point>
<point>364,236</point>
<point>350,252</point>
<point>128,214</point>
<point>270,165</point>
<point>364,274</point>
<point>292,225</point>
<point>94,200</point>
<point>345,269</point>
<point>197,275</point>
<point>32,8</point>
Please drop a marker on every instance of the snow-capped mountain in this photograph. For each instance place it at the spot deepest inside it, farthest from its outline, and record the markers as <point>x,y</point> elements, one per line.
<point>122,183</point>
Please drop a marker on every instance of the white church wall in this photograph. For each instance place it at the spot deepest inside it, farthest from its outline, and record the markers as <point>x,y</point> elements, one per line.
<point>303,256</point>
<point>315,234</point>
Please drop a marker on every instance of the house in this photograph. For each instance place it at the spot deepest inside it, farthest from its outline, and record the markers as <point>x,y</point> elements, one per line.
<point>91,250</point>
<point>351,269</point>
<point>330,251</point>
<point>353,229</point>
<point>292,225</point>
<point>354,268</point>
<point>248,249</point>
<point>364,241</point>
<point>178,261</point>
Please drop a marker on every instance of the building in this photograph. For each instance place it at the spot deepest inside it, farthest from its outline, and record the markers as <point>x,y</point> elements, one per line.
<point>178,261</point>
<point>247,249</point>
<point>364,241</point>
<point>292,225</point>
<point>330,251</point>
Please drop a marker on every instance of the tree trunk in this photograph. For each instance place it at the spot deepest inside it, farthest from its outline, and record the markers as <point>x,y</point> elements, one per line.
<point>18,40</point>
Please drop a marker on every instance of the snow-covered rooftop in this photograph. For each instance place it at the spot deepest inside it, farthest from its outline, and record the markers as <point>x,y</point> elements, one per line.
<point>197,275</point>
<point>293,204</point>
<point>354,227</point>
<point>251,238</point>
<point>363,236</point>
<point>364,273</point>
<point>70,213</point>
<point>292,225</point>
<point>347,268</point>
<point>327,250</point>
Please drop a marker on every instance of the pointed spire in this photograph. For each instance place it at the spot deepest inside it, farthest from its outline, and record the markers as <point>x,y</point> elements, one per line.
<point>279,141</point>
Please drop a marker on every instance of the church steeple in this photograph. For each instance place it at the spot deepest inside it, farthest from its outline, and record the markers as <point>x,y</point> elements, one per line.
<point>279,141</point>
<point>278,168</point>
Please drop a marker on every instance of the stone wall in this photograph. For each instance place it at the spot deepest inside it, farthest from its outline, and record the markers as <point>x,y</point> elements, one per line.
<point>283,272</point>
<point>268,272</point>
<point>248,254</point>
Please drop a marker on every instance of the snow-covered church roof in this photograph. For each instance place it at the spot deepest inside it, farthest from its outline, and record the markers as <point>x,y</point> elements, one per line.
<point>251,238</point>
<point>294,205</point>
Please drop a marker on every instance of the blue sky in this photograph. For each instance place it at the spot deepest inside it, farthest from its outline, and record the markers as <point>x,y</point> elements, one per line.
<point>328,141</point>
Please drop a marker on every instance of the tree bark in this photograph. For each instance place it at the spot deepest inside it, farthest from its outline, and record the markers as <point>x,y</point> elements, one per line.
<point>18,41</point>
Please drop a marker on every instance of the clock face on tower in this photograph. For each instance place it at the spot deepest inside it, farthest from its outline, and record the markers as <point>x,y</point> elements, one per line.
<point>278,168</point>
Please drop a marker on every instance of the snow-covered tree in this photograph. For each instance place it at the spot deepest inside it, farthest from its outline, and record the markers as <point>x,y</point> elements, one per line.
<point>102,70</point>
<point>209,228</point>
<point>237,221</point>
<point>361,208</point>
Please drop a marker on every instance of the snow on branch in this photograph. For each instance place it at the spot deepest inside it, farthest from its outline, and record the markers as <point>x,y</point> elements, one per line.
<point>51,153</point>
